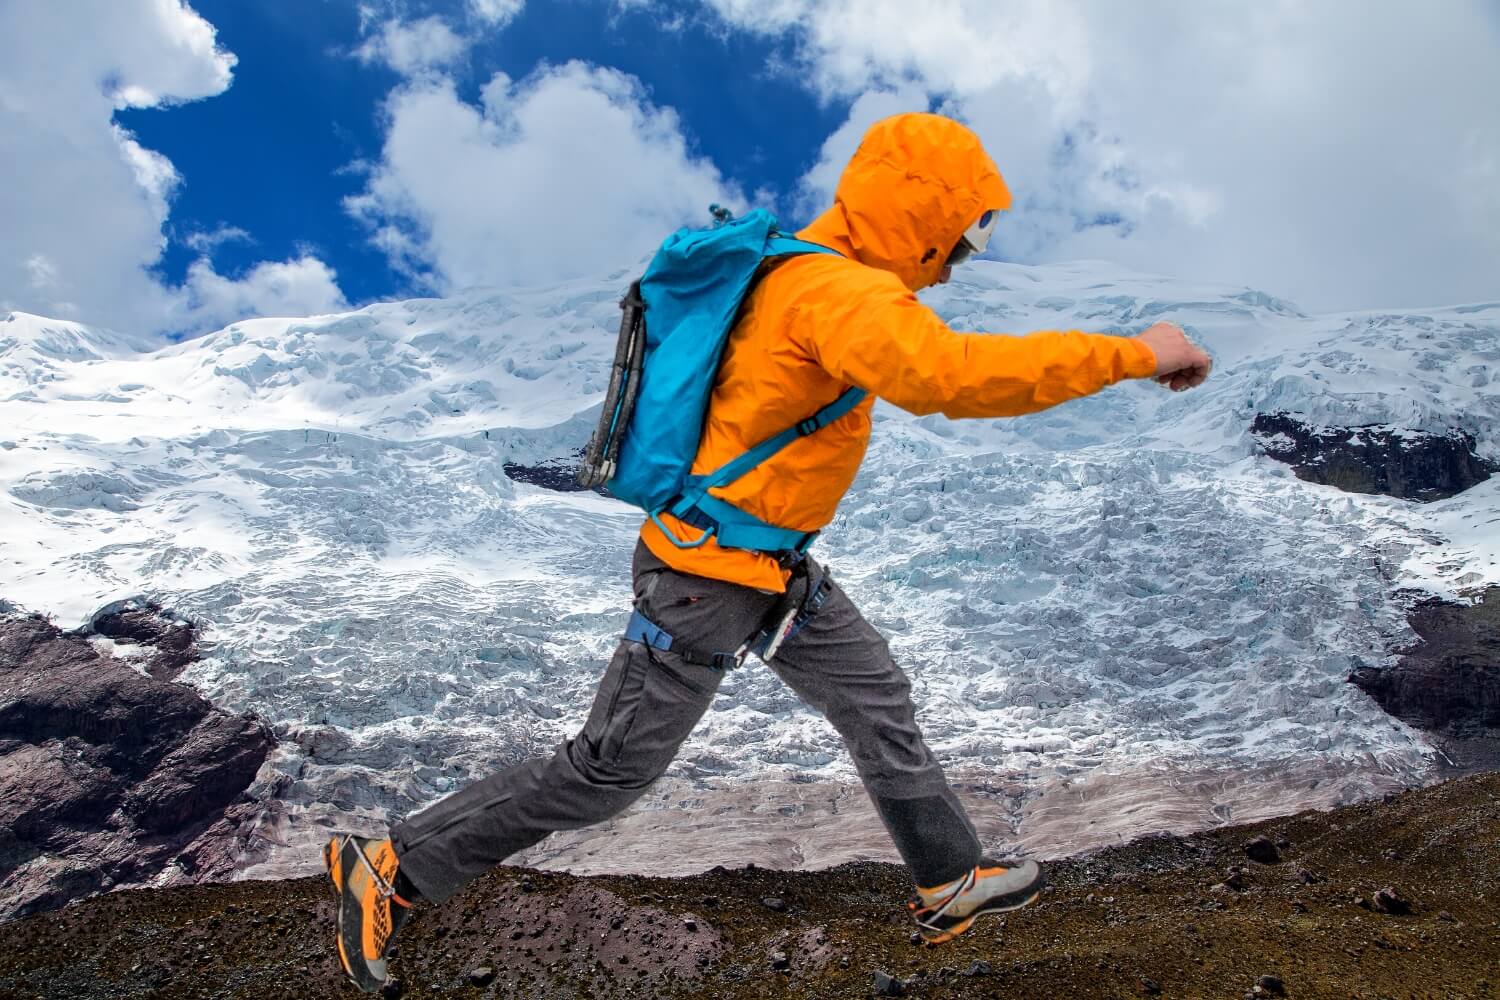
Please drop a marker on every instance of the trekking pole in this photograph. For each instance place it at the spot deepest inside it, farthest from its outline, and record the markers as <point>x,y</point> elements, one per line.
<point>603,448</point>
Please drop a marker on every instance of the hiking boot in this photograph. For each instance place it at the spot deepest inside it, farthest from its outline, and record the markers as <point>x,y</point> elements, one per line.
<point>369,909</point>
<point>945,912</point>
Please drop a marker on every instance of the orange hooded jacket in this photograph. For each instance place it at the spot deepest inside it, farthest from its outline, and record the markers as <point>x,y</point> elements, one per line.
<point>816,324</point>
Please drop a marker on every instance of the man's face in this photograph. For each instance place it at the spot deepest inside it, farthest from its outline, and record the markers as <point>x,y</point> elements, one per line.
<point>945,274</point>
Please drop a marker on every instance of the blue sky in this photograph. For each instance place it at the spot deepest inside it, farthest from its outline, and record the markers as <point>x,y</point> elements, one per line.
<point>761,128</point>
<point>179,164</point>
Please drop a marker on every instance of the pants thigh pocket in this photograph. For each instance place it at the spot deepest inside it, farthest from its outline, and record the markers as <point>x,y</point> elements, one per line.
<point>667,706</point>
<point>615,702</point>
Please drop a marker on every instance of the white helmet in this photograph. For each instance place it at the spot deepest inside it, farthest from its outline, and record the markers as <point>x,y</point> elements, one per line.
<point>974,239</point>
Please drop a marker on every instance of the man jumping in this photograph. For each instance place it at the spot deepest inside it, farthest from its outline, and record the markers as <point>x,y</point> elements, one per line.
<point>919,197</point>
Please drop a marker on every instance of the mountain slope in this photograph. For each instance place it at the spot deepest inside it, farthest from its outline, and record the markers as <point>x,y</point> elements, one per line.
<point>1091,598</point>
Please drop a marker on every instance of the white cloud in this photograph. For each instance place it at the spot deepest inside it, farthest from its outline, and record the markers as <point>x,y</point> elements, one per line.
<point>1336,155</point>
<point>568,172</point>
<point>83,203</point>
<point>412,47</point>
<point>208,242</point>
<point>302,287</point>
<point>496,13</point>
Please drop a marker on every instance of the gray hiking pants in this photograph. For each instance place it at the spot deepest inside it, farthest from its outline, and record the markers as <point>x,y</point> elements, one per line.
<point>648,703</point>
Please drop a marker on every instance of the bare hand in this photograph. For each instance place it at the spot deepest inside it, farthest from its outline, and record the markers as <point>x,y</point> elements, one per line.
<point>1180,363</point>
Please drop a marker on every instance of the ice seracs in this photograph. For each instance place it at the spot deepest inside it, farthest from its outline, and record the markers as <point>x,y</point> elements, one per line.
<point>1123,586</point>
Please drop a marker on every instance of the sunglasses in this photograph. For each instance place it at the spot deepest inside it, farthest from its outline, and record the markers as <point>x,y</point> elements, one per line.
<point>974,239</point>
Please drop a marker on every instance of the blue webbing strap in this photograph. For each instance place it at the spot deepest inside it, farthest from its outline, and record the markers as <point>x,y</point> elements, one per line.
<point>739,530</point>
<point>731,526</point>
<point>643,630</point>
<point>730,471</point>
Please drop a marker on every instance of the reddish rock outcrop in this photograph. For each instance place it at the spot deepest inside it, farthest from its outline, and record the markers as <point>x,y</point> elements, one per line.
<point>106,775</point>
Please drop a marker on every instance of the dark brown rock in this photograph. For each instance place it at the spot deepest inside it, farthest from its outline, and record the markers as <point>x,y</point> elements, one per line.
<point>887,985</point>
<point>107,775</point>
<point>1388,900</point>
<point>1262,851</point>
<point>172,643</point>
<point>1270,986</point>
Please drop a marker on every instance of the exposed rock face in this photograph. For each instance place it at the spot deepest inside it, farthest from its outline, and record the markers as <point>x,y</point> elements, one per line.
<point>1449,684</point>
<point>1399,463</point>
<point>107,775</point>
<point>559,474</point>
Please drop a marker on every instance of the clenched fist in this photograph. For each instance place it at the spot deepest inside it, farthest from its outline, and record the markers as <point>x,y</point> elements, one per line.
<point>1180,363</point>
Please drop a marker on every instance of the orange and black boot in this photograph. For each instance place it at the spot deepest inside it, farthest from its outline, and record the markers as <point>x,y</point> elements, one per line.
<point>946,911</point>
<point>370,910</point>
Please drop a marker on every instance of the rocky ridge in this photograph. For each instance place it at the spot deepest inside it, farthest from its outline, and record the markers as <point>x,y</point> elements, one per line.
<point>1397,896</point>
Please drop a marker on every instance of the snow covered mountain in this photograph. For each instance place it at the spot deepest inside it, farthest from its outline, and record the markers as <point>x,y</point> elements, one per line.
<point>1119,615</point>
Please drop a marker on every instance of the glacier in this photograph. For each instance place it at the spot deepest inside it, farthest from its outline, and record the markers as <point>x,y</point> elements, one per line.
<point>1119,616</point>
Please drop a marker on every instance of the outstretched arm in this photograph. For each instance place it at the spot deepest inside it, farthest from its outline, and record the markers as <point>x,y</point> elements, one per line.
<point>889,343</point>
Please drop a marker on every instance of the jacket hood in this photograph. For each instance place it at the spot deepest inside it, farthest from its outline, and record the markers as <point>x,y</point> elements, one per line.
<point>914,185</point>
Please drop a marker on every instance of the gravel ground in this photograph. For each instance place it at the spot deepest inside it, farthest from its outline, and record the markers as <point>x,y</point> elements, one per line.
<point>1394,898</point>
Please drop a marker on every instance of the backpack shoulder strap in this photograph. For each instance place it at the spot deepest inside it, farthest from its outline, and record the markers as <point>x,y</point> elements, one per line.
<point>778,245</point>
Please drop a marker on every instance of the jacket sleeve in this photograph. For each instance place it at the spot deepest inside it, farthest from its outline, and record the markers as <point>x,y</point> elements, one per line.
<point>887,342</point>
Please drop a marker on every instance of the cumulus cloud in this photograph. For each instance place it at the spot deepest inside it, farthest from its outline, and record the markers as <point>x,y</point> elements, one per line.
<point>83,205</point>
<point>1342,157</point>
<point>302,287</point>
<point>411,47</point>
<point>568,172</point>
<point>496,13</point>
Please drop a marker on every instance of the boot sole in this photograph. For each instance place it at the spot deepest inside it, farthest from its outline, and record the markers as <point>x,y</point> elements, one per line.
<point>960,928</point>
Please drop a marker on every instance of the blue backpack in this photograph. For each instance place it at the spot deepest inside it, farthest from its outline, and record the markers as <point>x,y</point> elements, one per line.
<point>676,321</point>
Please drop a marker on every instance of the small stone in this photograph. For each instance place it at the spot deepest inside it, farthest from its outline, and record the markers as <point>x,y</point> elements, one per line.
<point>527,885</point>
<point>1444,915</point>
<point>1150,987</point>
<point>774,903</point>
<point>779,960</point>
<point>1262,851</point>
<point>1270,986</point>
<point>887,985</point>
<point>978,967</point>
<point>690,923</point>
<point>1307,876</point>
<point>710,900</point>
<point>915,938</point>
<point>392,989</point>
<point>482,976</point>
